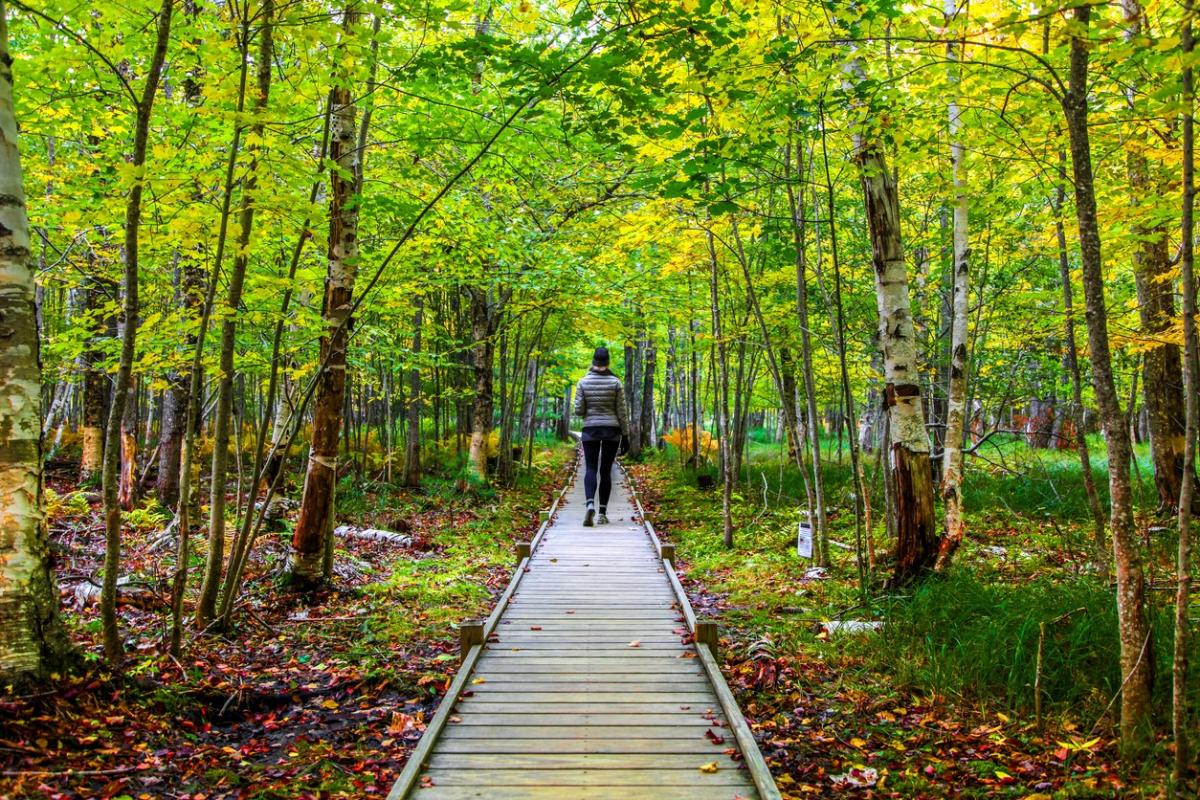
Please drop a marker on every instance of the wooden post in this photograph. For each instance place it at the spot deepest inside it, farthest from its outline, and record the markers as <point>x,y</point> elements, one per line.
<point>706,634</point>
<point>544,515</point>
<point>523,551</point>
<point>470,633</point>
<point>668,553</point>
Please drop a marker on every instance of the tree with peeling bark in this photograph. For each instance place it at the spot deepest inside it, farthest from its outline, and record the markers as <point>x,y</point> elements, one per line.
<point>33,640</point>
<point>908,466</point>
<point>308,540</point>
<point>956,394</point>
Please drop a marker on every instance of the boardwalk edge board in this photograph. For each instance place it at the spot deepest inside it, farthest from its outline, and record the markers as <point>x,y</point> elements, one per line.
<point>420,755</point>
<point>760,773</point>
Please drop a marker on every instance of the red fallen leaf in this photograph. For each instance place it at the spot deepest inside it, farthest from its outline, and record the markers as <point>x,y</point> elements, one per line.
<point>535,627</point>
<point>715,738</point>
<point>456,719</point>
<point>426,782</point>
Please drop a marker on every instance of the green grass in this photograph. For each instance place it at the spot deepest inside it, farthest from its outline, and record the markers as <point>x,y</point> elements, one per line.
<point>970,636</point>
<point>1006,478</point>
<point>956,636</point>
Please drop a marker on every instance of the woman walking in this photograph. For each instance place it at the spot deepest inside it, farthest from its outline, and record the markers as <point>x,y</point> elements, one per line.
<point>600,400</point>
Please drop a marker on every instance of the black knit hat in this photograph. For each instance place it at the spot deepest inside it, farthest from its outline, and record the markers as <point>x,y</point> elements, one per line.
<point>600,357</point>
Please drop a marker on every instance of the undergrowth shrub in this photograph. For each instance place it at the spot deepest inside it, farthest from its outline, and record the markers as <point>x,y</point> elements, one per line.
<point>957,637</point>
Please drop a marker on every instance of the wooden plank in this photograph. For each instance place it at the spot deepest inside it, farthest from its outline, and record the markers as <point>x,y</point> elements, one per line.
<point>697,699</point>
<point>475,705</point>
<point>583,733</point>
<point>687,720</point>
<point>585,652</point>
<point>583,777</point>
<point>696,745</point>
<point>558,647</point>
<point>581,662</point>
<point>675,679</point>
<point>577,761</point>
<point>439,792</point>
<point>684,685</point>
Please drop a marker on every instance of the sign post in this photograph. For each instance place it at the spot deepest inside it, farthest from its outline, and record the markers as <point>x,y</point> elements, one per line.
<point>804,537</point>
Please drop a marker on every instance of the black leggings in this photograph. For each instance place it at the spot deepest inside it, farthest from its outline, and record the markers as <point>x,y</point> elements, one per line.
<point>599,454</point>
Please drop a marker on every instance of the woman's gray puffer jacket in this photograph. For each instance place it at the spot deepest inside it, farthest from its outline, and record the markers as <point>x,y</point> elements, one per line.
<point>600,400</point>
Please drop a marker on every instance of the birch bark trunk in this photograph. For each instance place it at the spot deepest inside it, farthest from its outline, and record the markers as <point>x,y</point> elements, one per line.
<point>33,641</point>
<point>908,456</point>
<point>956,394</point>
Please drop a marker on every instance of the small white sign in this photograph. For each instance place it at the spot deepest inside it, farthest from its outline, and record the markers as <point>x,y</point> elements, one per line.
<point>804,538</point>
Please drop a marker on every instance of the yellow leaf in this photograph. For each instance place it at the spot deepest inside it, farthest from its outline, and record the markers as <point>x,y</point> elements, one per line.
<point>859,743</point>
<point>330,704</point>
<point>709,768</point>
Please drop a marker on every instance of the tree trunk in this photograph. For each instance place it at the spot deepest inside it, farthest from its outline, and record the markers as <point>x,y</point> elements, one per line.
<point>95,383</point>
<point>1136,650</point>
<point>647,409</point>
<point>917,538</point>
<point>811,430</point>
<point>1162,370</point>
<point>1183,589</point>
<point>564,419</point>
<point>113,648</point>
<point>412,449</point>
<point>33,640</point>
<point>1072,358</point>
<point>956,393</point>
<point>304,567</point>
<point>127,489</point>
<point>484,324</point>
<point>722,410</point>
<point>633,391</point>
<point>206,604</point>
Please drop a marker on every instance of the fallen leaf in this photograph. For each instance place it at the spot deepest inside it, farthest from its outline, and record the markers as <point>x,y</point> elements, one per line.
<point>635,643</point>
<point>535,627</point>
<point>709,768</point>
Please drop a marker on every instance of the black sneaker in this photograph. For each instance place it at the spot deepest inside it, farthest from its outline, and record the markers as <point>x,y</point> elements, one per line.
<point>602,519</point>
<point>588,517</point>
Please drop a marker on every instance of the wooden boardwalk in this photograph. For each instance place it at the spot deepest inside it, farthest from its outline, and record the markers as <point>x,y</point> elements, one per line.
<point>585,682</point>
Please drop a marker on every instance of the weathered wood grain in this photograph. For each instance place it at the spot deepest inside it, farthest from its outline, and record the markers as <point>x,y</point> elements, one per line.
<point>588,684</point>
